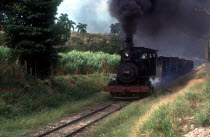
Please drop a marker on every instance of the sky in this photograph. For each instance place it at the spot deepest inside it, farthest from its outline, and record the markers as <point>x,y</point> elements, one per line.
<point>94,13</point>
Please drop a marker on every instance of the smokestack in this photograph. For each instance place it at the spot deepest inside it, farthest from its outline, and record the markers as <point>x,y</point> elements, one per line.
<point>129,42</point>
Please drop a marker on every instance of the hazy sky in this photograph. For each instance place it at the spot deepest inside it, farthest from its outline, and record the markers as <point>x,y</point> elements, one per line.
<point>92,12</point>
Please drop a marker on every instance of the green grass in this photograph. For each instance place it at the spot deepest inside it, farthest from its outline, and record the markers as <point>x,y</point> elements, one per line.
<point>169,119</point>
<point>21,98</point>
<point>23,125</point>
<point>76,62</point>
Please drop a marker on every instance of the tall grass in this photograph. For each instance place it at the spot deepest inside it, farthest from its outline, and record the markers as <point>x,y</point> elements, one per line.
<point>27,124</point>
<point>76,62</point>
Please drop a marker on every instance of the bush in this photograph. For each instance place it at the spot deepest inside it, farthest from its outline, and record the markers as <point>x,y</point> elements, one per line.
<point>5,110</point>
<point>34,95</point>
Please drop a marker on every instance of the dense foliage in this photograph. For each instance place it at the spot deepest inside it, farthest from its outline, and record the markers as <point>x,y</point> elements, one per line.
<point>31,33</point>
<point>4,7</point>
<point>22,95</point>
<point>76,62</point>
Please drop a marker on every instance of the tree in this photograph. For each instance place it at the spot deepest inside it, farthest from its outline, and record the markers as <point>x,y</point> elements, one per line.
<point>115,28</point>
<point>71,25</point>
<point>66,25</point>
<point>82,28</point>
<point>3,8</point>
<point>31,33</point>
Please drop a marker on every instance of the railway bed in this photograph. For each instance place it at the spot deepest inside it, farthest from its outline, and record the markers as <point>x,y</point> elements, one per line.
<point>77,125</point>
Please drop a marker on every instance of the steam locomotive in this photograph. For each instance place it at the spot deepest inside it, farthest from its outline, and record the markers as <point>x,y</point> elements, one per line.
<point>141,70</point>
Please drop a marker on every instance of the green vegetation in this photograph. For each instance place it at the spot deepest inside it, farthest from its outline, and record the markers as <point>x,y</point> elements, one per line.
<point>76,62</point>
<point>192,108</point>
<point>20,97</point>
<point>163,114</point>
<point>31,31</point>
<point>27,124</point>
<point>27,103</point>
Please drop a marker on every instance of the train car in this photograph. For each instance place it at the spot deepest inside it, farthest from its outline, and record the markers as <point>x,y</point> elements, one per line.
<point>170,68</point>
<point>139,69</point>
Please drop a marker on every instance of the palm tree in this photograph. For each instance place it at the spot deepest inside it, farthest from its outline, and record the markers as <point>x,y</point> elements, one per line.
<point>115,28</point>
<point>82,28</point>
<point>67,24</point>
<point>71,25</point>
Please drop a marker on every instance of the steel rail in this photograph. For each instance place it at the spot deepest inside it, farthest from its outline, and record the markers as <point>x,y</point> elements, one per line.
<point>80,129</point>
<point>72,122</point>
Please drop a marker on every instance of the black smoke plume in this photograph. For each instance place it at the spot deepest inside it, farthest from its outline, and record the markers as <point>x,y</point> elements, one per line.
<point>151,16</point>
<point>128,13</point>
<point>152,20</point>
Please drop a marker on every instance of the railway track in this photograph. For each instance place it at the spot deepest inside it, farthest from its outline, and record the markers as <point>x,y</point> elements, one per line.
<point>76,126</point>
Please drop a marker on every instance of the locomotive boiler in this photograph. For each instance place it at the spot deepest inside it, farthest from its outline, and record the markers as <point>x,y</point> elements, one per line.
<point>140,67</point>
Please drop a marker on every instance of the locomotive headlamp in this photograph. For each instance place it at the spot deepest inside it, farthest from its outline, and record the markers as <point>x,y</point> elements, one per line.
<point>127,54</point>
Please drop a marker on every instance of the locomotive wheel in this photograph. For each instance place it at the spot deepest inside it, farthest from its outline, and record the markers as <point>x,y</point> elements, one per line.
<point>127,72</point>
